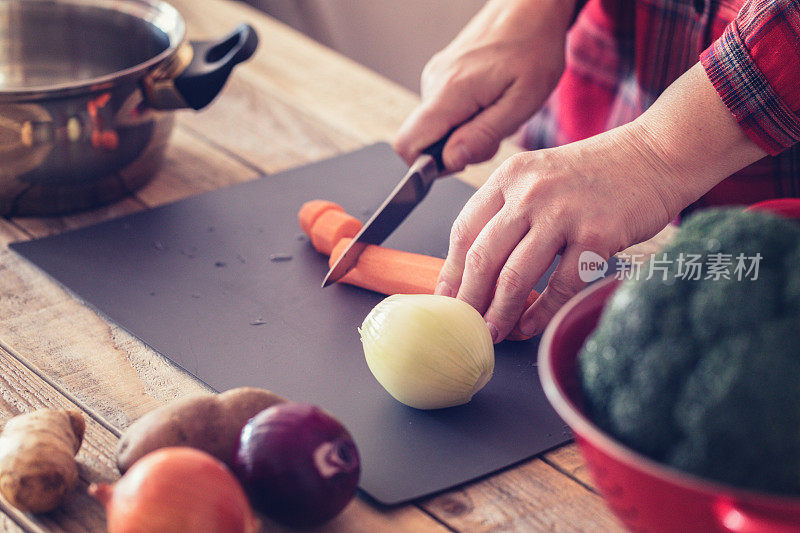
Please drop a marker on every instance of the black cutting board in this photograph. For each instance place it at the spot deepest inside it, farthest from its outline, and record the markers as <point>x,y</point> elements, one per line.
<point>207,282</point>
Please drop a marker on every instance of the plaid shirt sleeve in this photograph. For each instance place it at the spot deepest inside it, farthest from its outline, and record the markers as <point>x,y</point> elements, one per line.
<point>755,68</point>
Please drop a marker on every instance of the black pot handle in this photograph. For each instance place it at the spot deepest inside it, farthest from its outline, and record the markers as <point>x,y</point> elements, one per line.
<point>212,62</point>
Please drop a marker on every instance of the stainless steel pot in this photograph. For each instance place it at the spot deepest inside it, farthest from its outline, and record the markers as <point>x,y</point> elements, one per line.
<point>86,89</point>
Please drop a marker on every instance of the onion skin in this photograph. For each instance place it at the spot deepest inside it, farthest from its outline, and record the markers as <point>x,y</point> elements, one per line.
<point>299,465</point>
<point>179,490</point>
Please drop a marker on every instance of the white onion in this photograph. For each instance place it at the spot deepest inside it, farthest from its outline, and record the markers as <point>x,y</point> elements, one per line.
<point>428,351</point>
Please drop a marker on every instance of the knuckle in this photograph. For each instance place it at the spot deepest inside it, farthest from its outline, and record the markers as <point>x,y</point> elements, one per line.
<point>506,174</point>
<point>487,131</point>
<point>478,260</point>
<point>514,165</point>
<point>517,210</point>
<point>432,71</point>
<point>429,70</point>
<point>449,273</point>
<point>443,85</point>
<point>548,213</point>
<point>457,84</point>
<point>401,146</point>
<point>561,289</point>
<point>438,59</point>
<point>460,234</point>
<point>597,238</point>
<point>591,238</point>
<point>511,281</point>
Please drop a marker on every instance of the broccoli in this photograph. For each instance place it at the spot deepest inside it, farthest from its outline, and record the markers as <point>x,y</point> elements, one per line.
<point>704,374</point>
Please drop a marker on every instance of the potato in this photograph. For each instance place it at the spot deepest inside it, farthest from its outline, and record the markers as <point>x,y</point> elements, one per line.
<point>208,422</point>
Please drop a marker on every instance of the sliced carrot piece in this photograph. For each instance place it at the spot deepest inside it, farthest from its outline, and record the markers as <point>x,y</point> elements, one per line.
<point>310,212</point>
<point>332,226</point>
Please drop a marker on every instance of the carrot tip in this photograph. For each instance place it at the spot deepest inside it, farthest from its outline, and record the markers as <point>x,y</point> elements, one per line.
<point>311,211</point>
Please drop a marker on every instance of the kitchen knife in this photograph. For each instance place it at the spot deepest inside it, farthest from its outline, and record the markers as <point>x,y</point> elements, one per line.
<point>400,202</point>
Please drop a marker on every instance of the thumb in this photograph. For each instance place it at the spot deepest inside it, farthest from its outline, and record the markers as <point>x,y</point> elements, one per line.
<point>479,138</point>
<point>430,121</point>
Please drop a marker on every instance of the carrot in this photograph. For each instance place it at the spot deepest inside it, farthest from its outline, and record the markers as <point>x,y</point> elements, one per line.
<point>390,271</point>
<point>311,210</point>
<point>326,223</point>
<point>331,227</point>
<point>383,270</point>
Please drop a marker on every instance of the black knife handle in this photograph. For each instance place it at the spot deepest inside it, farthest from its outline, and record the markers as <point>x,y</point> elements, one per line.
<point>436,149</point>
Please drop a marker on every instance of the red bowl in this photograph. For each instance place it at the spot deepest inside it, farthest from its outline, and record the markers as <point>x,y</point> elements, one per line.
<point>644,494</point>
<point>788,207</point>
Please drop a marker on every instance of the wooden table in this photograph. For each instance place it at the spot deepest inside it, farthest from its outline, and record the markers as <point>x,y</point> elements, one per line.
<point>293,103</point>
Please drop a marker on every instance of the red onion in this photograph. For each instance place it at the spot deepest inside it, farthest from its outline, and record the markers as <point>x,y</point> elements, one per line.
<point>178,490</point>
<point>299,465</point>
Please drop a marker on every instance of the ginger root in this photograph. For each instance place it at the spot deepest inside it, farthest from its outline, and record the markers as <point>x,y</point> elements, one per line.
<point>37,458</point>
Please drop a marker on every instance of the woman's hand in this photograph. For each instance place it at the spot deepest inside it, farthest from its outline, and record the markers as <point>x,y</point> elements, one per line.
<point>494,75</point>
<point>597,196</point>
<point>602,194</point>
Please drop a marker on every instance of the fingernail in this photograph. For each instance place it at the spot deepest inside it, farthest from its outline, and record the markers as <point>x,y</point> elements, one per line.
<point>493,331</point>
<point>462,156</point>
<point>529,328</point>
<point>443,289</point>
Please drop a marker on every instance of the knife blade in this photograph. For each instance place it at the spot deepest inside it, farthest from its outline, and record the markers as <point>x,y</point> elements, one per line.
<point>395,208</point>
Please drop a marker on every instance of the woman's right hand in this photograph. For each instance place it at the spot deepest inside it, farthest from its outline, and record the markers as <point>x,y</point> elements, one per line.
<point>499,70</point>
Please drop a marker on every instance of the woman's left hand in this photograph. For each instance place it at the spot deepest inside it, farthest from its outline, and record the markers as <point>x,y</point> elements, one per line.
<point>601,194</point>
<point>566,201</point>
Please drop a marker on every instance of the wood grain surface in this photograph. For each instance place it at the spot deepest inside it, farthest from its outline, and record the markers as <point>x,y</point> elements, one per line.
<point>295,102</point>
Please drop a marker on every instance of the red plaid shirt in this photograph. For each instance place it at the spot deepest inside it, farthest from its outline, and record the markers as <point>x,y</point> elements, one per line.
<point>621,54</point>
